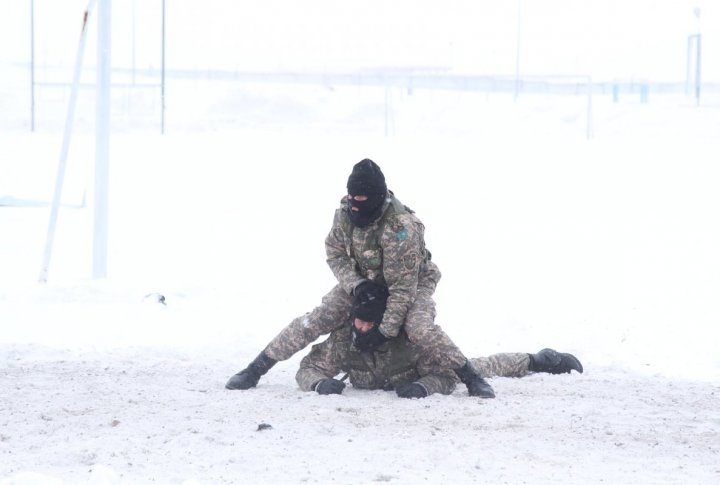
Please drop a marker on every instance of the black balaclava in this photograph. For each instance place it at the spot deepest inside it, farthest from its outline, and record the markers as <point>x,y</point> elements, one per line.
<point>370,307</point>
<point>366,179</point>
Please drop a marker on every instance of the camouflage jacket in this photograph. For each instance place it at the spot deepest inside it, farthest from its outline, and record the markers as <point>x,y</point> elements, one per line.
<point>391,252</point>
<point>396,362</point>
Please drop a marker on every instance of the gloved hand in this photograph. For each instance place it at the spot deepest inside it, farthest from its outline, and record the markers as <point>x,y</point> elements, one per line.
<point>366,288</point>
<point>369,341</point>
<point>411,390</point>
<point>329,386</point>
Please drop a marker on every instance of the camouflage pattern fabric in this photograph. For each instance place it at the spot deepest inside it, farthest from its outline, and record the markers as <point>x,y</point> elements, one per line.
<point>302,331</point>
<point>392,252</point>
<point>502,365</point>
<point>397,362</point>
<point>389,252</point>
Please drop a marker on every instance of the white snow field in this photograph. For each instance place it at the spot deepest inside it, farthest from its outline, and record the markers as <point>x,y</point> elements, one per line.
<point>604,247</point>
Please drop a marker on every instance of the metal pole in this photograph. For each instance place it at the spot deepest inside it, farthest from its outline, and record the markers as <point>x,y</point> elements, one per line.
<point>589,128</point>
<point>69,121</point>
<point>698,44</point>
<point>688,64</point>
<point>32,65</point>
<point>102,140</point>
<point>517,54</point>
<point>697,69</point>
<point>133,42</point>
<point>162,74</point>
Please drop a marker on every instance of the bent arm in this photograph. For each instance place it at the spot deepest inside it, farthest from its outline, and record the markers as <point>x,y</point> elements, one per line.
<point>338,258</point>
<point>402,244</point>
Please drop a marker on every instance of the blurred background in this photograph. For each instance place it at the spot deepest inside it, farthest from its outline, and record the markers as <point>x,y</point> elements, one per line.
<point>366,66</point>
<point>562,154</point>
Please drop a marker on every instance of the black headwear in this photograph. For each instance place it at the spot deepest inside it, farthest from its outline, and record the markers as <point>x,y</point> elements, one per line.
<point>369,302</point>
<point>369,305</point>
<point>366,179</point>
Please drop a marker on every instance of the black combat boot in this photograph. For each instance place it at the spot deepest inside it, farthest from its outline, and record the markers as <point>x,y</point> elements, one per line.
<point>548,360</point>
<point>250,376</point>
<point>476,385</point>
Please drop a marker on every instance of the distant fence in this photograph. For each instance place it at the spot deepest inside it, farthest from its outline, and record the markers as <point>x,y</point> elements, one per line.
<point>405,78</point>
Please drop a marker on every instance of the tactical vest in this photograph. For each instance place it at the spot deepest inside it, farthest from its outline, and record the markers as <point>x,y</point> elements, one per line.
<point>373,269</point>
<point>384,369</point>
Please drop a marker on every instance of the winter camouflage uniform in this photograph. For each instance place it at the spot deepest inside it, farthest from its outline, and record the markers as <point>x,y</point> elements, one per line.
<point>396,362</point>
<point>391,252</point>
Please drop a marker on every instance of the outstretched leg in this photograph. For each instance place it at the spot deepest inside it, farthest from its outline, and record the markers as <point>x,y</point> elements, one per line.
<point>503,365</point>
<point>333,312</point>
<point>521,364</point>
<point>250,376</point>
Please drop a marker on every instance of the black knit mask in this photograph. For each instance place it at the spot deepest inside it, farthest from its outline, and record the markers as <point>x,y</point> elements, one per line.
<point>366,180</point>
<point>369,304</point>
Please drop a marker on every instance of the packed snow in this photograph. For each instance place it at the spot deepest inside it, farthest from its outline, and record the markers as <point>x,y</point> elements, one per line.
<point>603,247</point>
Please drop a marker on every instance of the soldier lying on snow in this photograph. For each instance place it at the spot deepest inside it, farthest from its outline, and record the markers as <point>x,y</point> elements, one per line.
<point>400,365</point>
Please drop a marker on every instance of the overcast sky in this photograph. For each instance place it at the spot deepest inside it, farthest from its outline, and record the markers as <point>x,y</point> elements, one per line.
<point>606,39</point>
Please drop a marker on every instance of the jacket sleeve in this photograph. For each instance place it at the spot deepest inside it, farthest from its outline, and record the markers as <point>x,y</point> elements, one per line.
<point>342,265</point>
<point>325,359</point>
<point>402,245</point>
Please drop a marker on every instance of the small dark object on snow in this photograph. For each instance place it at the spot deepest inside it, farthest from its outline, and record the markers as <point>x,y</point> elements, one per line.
<point>156,297</point>
<point>263,426</point>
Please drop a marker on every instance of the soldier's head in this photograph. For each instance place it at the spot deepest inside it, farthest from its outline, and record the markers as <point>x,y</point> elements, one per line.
<point>366,193</point>
<point>368,309</point>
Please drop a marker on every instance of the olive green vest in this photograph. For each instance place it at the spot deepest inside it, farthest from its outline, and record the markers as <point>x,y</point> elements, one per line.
<point>387,368</point>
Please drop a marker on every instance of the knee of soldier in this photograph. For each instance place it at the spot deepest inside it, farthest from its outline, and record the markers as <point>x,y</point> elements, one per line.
<point>314,324</point>
<point>421,332</point>
<point>335,305</point>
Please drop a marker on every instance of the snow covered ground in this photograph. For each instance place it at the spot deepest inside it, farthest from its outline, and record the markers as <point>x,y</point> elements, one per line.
<point>606,248</point>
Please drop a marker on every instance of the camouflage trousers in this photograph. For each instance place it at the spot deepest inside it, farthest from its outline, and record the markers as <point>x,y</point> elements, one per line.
<point>502,365</point>
<point>334,312</point>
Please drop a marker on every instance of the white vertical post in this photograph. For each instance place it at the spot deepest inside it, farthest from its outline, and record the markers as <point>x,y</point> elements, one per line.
<point>133,42</point>
<point>688,64</point>
<point>162,73</point>
<point>102,140</point>
<point>698,12</point>
<point>67,134</point>
<point>589,122</point>
<point>32,65</point>
<point>517,53</point>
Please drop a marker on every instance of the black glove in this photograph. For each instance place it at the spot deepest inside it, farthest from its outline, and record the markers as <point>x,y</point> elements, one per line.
<point>411,390</point>
<point>363,288</point>
<point>370,298</point>
<point>369,341</point>
<point>329,386</point>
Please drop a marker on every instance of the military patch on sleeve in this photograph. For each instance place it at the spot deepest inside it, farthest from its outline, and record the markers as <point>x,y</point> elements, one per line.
<point>410,260</point>
<point>402,234</point>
